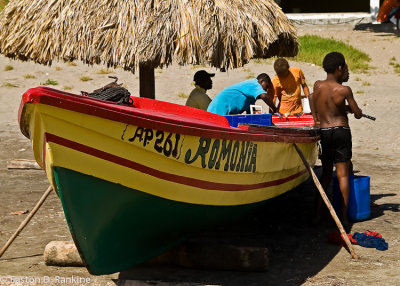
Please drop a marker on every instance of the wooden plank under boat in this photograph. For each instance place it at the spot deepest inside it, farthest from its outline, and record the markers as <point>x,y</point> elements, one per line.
<point>135,181</point>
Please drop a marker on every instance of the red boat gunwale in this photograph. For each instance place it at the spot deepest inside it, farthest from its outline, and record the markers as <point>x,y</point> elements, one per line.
<point>160,115</point>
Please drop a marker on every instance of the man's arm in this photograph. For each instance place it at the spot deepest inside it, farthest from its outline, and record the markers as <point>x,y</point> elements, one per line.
<point>313,97</point>
<point>278,95</point>
<point>268,101</point>
<point>271,95</point>
<point>276,91</point>
<point>306,90</point>
<point>313,109</point>
<point>352,103</point>
<point>303,83</point>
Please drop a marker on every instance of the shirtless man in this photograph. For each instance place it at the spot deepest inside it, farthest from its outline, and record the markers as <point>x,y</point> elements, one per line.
<point>329,109</point>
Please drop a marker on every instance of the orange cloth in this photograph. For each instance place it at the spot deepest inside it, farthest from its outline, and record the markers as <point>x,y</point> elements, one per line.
<point>290,84</point>
<point>385,9</point>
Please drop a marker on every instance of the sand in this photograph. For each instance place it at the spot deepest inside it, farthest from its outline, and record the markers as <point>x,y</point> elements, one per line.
<point>299,252</point>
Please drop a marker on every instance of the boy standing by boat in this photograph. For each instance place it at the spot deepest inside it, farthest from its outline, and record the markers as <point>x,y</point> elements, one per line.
<point>288,82</point>
<point>329,109</point>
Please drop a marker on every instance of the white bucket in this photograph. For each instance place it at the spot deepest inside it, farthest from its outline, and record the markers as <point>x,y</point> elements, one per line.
<point>306,105</point>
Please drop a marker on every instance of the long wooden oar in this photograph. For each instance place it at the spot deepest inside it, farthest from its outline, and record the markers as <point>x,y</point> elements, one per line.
<point>327,202</point>
<point>26,221</point>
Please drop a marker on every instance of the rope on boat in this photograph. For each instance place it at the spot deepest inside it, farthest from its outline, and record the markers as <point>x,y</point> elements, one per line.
<point>113,92</point>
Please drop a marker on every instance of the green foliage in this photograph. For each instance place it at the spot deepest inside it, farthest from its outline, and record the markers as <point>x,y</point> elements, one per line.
<point>104,71</point>
<point>395,65</point>
<point>314,48</point>
<point>250,75</point>
<point>8,68</point>
<point>85,78</point>
<point>28,76</point>
<point>183,95</point>
<point>8,84</point>
<point>193,67</point>
<point>397,68</point>
<point>49,82</point>
<point>3,3</point>
<point>262,61</point>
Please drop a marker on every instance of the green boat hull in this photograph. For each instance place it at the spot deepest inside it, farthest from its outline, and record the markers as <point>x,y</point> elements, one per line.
<point>116,228</point>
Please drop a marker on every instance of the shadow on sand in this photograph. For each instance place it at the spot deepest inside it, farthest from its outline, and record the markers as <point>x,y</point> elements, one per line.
<point>297,248</point>
<point>378,28</point>
<point>378,210</point>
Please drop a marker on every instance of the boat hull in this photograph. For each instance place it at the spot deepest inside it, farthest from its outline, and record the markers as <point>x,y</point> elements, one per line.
<point>136,181</point>
<point>108,220</point>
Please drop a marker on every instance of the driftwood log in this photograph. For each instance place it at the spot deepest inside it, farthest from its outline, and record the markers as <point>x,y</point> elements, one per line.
<point>22,164</point>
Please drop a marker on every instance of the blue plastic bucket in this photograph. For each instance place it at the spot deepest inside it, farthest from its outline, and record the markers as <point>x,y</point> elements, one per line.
<point>359,199</point>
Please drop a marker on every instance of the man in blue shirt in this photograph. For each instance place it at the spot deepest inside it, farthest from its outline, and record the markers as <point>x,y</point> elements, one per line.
<point>237,98</point>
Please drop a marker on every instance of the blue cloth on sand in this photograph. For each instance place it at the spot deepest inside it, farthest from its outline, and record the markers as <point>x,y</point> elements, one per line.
<point>236,98</point>
<point>370,241</point>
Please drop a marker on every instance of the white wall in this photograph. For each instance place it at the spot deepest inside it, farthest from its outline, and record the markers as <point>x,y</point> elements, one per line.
<point>374,8</point>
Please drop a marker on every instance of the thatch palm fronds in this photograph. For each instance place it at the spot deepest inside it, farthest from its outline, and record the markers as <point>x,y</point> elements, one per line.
<point>221,33</point>
<point>224,34</point>
<point>94,32</point>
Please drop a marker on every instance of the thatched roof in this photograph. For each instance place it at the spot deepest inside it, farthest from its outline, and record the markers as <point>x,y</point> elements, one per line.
<point>220,33</point>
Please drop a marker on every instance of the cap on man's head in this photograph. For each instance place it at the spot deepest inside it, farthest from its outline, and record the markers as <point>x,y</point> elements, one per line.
<point>201,75</point>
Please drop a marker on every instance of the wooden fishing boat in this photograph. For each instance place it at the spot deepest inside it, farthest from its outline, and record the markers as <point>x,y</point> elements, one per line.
<point>136,180</point>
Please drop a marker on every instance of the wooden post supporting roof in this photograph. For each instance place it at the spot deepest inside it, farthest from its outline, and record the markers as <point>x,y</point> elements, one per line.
<point>146,81</point>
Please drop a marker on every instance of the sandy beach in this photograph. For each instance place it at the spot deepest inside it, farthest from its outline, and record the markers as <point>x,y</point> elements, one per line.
<point>299,252</point>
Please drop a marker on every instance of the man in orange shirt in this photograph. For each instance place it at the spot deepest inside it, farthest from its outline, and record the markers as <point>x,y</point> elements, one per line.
<point>287,85</point>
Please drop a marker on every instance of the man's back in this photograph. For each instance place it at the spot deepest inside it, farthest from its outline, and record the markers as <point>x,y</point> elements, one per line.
<point>236,98</point>
<point>198,98</point>
<point>330,103</point>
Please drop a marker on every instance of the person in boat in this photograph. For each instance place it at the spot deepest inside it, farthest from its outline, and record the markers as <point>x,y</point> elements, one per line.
<point>198,98</point>
<point>329,109</point>
<point>237,98</point>
<point>287,83</point>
